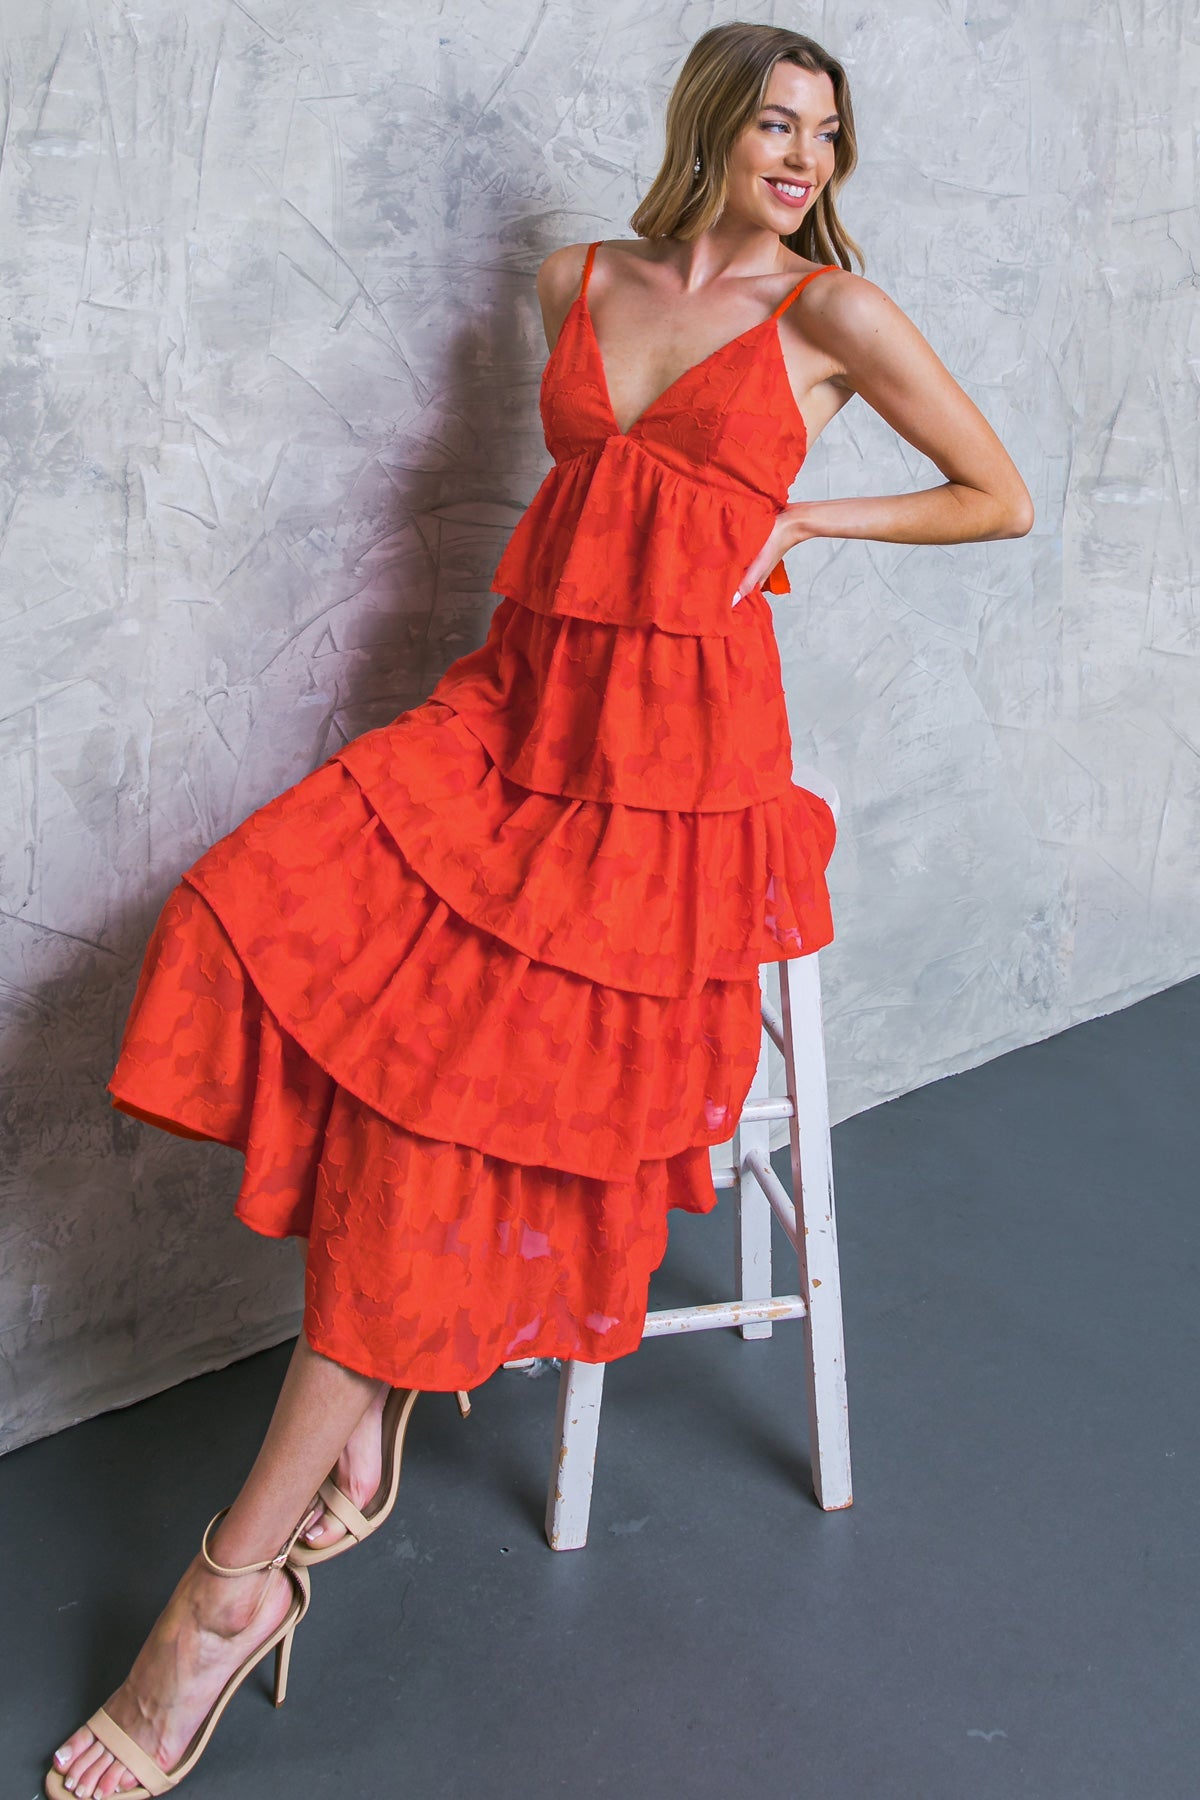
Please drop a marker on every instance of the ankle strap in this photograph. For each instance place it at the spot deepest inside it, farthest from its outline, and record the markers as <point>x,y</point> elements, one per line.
<point>274,1562</point>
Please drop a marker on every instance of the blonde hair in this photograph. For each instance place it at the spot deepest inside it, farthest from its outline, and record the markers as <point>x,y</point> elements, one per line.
<point>719,90</point>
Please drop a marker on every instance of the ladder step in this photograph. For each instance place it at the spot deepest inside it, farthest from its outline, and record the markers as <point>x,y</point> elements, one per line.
<point>766,1109</point>
<point>671,1320</point>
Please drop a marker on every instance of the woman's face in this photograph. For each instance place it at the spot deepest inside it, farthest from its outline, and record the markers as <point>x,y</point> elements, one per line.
<point>784,157</point>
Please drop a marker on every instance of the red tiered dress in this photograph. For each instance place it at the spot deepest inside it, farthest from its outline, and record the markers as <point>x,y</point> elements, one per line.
<point>475,997</point>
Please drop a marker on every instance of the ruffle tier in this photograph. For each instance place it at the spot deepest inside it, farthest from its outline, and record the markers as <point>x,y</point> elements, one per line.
<point>446,1029</point>
<point>616,535</point>
<point>641,900</point>
<point>644,718</point>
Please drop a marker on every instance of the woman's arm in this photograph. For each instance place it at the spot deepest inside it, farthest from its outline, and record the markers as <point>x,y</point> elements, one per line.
<point>881,355</point>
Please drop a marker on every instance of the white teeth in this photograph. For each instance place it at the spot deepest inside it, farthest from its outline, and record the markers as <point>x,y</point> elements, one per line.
<point>788,187</point>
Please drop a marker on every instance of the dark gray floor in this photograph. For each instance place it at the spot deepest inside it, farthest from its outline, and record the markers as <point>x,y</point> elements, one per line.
<point>1007,1612</point>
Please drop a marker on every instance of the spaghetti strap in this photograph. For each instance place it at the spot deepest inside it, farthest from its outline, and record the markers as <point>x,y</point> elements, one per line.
<point>587,267</point>
<point>802,283</point>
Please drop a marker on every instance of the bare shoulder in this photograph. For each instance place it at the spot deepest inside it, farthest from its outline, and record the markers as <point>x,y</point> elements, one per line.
<point>560,273</point>
<point>558,278</point>
<point>855,322</point>
<point>558,282</point>
<point>843,304</point>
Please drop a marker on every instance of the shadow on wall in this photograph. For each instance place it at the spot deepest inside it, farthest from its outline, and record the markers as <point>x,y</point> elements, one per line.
<point>126,1270</point>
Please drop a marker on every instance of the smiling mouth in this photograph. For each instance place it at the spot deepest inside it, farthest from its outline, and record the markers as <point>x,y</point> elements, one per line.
<point>792,193</point>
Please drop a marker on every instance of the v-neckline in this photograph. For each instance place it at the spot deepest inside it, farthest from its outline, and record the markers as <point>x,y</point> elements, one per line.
<point>771,319</point>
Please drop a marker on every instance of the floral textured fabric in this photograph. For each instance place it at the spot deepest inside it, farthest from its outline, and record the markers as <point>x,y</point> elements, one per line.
<point>475,997</point>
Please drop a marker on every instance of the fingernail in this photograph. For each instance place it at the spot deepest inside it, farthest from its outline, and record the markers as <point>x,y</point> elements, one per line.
<point>62,1757</point>
<point>737,596</point>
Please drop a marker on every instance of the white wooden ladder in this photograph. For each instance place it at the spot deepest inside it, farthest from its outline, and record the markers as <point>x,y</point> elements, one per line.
<point>797,1032</point>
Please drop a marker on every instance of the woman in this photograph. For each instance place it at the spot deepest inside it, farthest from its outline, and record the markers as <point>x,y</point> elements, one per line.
<point>476,996</point>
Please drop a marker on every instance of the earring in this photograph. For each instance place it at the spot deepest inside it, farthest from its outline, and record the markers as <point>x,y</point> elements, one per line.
<point>696,166</point>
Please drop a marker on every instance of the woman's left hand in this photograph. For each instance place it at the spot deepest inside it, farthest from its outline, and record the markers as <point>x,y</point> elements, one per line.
<point>788,530</point>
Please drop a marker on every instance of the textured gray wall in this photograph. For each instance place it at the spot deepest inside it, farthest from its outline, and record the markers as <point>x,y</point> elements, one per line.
<point>270,411</point>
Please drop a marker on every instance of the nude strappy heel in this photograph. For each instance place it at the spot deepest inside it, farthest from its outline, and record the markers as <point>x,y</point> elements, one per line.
<point>397,1411</point>
<point>156,1781</point>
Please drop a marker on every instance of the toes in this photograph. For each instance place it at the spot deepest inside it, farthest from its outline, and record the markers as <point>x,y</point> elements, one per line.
<point>114,1781</point>
<point>79,1770</point>
<point>76,1744</point>
<point>85,1784</point>
<point>312,1534</point>
<point>107,1783</point>
<point>323,1530</point>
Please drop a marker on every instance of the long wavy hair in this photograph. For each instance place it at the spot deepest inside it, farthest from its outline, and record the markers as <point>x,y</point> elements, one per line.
<point>719,91</point>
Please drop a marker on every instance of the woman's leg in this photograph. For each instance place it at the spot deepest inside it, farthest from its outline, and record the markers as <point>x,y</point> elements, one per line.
<point>358,1473</point>
<point>211,1622</point>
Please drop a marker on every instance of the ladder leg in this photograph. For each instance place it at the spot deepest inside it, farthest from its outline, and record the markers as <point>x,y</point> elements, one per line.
<point>816,1231</point>
<point>752,1240</point>
<point>569,1501</point>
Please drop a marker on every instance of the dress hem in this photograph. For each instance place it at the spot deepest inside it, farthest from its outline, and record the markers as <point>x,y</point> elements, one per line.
<point>165,1122</point>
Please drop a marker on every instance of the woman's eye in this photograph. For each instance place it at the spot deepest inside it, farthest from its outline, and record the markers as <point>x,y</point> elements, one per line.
<point>831,136</point>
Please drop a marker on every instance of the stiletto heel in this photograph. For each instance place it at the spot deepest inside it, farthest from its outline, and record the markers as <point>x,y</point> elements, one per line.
<point>283,1656</point>
<point>359,1524</point>
<point>154,1780</point>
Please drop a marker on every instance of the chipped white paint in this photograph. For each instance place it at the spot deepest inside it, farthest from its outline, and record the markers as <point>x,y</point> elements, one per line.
<point>269,405</point>
<point>673,1321</point>
<point>569,1500</point>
